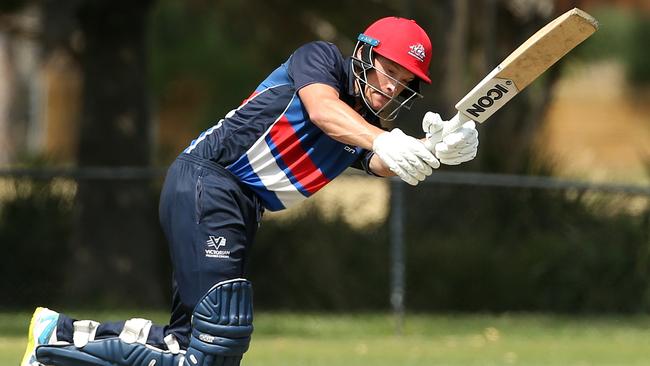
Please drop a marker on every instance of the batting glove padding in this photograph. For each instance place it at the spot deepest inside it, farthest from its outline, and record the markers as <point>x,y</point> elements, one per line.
<point>460,146</point>
<point>432,125</point>
<point>457,147</point>
<point>405,156</point>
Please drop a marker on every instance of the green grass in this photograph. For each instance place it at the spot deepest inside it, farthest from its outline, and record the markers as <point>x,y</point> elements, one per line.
<point>369,339</point>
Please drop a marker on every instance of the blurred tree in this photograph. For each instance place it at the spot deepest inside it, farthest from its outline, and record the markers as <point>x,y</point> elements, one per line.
<point>20,122</point>
<point>115,246</point>
<point>637,60</point>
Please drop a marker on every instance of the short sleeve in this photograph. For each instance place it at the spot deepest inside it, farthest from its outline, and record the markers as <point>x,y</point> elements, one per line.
<point>316,62</point>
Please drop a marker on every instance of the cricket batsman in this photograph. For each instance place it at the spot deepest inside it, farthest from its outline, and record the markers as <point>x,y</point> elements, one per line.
<point>310,119</point>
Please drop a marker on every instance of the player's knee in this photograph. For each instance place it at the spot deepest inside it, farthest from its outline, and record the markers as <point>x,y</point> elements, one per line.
<point>222,324</point>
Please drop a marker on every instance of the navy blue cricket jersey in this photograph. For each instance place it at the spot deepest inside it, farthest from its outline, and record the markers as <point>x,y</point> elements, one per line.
<point>270,144</point>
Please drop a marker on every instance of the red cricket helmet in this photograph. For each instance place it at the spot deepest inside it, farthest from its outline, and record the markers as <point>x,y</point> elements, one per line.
<point>402,41</point>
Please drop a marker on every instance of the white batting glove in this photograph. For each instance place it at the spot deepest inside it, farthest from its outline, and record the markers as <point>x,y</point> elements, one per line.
<point>405,156</point>
<point>432,125</point>
<point>459,146</point>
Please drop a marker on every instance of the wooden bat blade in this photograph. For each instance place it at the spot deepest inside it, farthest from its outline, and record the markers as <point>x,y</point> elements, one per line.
<point>547,46</point>
<point>526,63</point>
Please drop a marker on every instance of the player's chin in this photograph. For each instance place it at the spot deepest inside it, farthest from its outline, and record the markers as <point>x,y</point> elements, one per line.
<point>379,101</point>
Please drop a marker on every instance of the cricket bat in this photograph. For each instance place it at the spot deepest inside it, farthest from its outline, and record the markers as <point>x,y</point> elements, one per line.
<point>522,66</point>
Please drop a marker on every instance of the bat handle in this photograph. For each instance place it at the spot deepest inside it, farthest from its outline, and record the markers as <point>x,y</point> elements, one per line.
<point>454,124</point>
<point>448,127</point>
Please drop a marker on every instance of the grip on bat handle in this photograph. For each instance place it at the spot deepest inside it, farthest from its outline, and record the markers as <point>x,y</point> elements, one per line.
<point>448,127</point>
<point>454,124</point>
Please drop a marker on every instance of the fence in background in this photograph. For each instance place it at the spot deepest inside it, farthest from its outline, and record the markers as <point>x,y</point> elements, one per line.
<point>397,237</point>
<point>398,210</point>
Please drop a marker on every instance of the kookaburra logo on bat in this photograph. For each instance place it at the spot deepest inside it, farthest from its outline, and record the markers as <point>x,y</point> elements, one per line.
<point>487,100</point>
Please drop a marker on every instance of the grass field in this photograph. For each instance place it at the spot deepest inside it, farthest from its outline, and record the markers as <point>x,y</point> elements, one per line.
<point>369,339</point>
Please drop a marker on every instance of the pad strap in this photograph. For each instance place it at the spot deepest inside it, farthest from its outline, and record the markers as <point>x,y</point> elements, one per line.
<point>136,330</point>
<point>84,331</point>
<point>172,344</point>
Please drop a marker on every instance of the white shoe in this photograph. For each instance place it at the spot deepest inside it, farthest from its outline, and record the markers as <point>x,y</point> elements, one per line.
<point>41,331</point>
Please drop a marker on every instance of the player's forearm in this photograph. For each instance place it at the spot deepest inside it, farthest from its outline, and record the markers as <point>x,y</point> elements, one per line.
<point>342,123</point>
<point>349,127</point>
<point>337,119</point>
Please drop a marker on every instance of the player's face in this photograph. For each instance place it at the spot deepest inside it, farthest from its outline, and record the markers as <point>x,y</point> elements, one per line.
<point>390,79</point>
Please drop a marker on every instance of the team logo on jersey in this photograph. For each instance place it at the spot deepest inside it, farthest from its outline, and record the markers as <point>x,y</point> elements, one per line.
<point>417,51</point>
<point>214,245</point>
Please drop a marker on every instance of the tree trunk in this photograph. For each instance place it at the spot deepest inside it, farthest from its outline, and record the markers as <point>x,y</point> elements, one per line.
<point>456,53</point>
<point>6,69</point>
<point>115,246</point>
